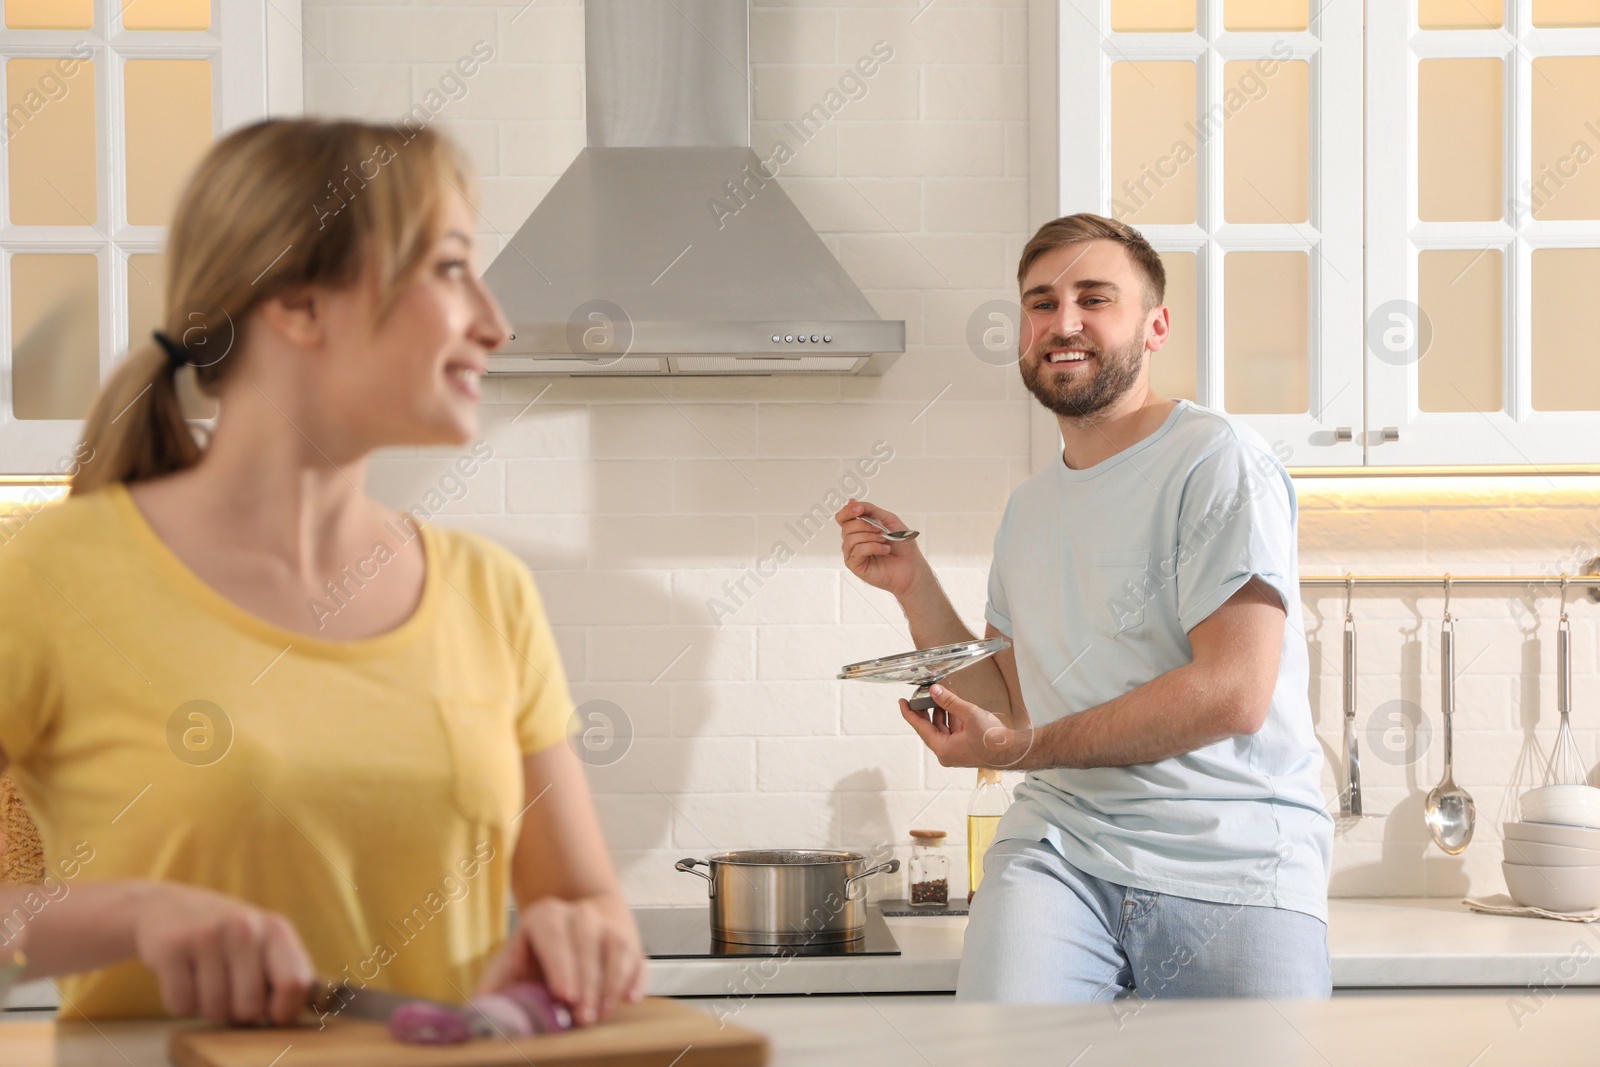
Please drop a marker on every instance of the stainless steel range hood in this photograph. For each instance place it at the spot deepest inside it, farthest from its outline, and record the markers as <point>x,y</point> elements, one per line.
<point>668,247</point>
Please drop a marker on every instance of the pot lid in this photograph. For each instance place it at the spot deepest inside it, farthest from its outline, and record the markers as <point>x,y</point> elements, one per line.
<point>925,665</point>
<point>787,856</point>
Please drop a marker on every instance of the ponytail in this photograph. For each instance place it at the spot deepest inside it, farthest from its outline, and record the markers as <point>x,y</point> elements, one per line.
<point>136,428</point>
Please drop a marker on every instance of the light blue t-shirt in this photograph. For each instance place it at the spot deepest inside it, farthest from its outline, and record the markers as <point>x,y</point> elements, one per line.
<point>1098,576</point>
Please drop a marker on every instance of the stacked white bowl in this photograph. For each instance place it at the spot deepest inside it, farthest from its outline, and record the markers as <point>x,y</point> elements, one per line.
<point>1553,856</point>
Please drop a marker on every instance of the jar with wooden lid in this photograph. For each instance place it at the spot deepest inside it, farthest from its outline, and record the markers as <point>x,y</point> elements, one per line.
<point>928,873</point>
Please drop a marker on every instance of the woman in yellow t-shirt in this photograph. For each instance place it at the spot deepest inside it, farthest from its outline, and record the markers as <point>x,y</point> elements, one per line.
<point>270,730</point>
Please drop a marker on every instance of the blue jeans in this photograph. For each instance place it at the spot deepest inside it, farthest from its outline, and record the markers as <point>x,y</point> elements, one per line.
<point>1042,931</point>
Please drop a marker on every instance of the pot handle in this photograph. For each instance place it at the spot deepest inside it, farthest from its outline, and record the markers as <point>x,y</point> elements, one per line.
<point>687,866</point>
<point>850,883</point>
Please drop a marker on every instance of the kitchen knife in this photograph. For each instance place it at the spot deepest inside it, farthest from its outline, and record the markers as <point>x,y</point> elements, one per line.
<point>529,1005</point>
<point>342,999</point>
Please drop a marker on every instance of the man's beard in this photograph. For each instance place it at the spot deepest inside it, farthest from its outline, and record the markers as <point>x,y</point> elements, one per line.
<point>1116,371</point>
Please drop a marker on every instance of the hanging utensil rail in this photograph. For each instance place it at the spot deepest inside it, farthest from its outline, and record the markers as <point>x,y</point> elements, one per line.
<point>1590,580</point>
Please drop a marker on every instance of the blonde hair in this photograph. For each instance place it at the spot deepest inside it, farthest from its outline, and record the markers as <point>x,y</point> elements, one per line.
<point>1084,226</point>
<point>272,207</point>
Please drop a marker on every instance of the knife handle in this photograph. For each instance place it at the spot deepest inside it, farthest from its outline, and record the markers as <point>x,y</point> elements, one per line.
<point>325,997</point>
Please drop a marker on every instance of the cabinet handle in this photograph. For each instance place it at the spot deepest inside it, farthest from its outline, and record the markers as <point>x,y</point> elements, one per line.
<point>1391,433</point>
<point>1343,433</point>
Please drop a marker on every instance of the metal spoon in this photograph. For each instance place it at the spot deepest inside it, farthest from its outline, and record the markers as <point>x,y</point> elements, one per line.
<point>893,535</point>
<point>1449,810</point>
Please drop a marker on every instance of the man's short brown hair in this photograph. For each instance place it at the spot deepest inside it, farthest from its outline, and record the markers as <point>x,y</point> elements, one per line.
<point>1084,226</point>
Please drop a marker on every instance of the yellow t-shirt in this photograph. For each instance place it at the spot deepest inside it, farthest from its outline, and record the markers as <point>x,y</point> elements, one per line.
<point>369,790</point>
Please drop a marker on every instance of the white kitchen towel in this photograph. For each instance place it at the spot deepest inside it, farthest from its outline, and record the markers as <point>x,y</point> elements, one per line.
<point>1500,904</point>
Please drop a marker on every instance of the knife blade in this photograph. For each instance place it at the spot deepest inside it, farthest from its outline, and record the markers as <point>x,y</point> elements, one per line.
<point>330,999</point>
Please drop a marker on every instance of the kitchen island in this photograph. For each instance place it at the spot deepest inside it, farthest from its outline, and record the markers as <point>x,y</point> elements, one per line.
<point>1454,1029</point>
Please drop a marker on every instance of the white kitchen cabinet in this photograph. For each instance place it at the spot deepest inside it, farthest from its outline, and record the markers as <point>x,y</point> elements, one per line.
<point>1483,235</point>
<point>104,110</point>
<point>1235,150</point>
<point>1456,336</point>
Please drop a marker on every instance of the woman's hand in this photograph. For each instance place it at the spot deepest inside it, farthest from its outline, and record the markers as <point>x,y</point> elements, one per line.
<point>893,566</point>
<point>588,957</point>
<point>219,957</point>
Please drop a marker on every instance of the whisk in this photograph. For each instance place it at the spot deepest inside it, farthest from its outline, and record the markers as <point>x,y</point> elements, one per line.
<point>1566,766</point>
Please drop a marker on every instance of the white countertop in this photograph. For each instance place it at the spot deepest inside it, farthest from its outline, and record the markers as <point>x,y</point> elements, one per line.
<point>1408,942</point>
<point>1461,1029</point>
<point>1374,943</point>
<point>1389,943</point>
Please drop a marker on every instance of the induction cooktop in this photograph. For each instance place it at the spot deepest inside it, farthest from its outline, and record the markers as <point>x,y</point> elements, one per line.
<point>685,934</point>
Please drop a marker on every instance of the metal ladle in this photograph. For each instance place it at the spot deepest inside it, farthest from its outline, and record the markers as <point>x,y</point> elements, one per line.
<point>893,535</point>
<point>1449,810</point>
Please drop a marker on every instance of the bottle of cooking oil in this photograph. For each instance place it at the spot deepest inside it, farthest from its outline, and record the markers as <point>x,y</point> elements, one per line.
<point>989,801</point>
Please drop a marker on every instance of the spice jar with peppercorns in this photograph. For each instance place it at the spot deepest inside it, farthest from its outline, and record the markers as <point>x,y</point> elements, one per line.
<point>929,870</point>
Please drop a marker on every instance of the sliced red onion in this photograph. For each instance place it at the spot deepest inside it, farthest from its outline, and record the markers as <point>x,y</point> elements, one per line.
<point>423,1023</point>
<point>548,1015</point>
<point>497,1015</point>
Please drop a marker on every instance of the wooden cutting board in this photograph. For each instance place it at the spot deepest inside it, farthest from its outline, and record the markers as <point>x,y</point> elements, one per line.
<point>656,1032</point>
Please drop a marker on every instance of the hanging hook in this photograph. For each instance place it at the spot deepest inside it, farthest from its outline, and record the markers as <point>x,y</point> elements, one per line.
<point>1564,581</point>
<point>1447,618</point>
<point>1349,592</point>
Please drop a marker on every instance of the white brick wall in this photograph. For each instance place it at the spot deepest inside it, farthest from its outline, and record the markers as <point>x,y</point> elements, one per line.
<point>637,501</point>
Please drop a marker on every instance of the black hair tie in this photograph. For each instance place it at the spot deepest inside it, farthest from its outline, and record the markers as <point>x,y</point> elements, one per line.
<point>177,355</point>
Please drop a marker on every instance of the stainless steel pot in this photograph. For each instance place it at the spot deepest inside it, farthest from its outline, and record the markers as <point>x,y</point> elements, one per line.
<point>787,896</point>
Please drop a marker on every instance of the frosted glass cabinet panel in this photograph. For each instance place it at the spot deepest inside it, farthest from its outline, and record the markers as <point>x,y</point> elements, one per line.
<point>168,130</point>
<point>1254,16</point>
<point>1462,291</point>
<point>1460,135</point>
<point>1266,346</point>
<point>49,14</point>
<point>146,291</point>
<point>1459,14</point>
<point>1175,370</point>
<point>1570,14</point>
<point>51,143</point>
<point>55,335</point>
<point>1153,16</point>
<point>1154,167</point>
<point>1266,169</point>
<point>166,14</point>
<point>1564,180</point>
<point>1565,281</point>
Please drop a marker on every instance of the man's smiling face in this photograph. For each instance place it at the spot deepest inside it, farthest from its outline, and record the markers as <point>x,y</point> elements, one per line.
<point>1087,321</point>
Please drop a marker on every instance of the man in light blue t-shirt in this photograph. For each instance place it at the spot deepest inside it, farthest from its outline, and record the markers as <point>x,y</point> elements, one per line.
<point>1170,838</point>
